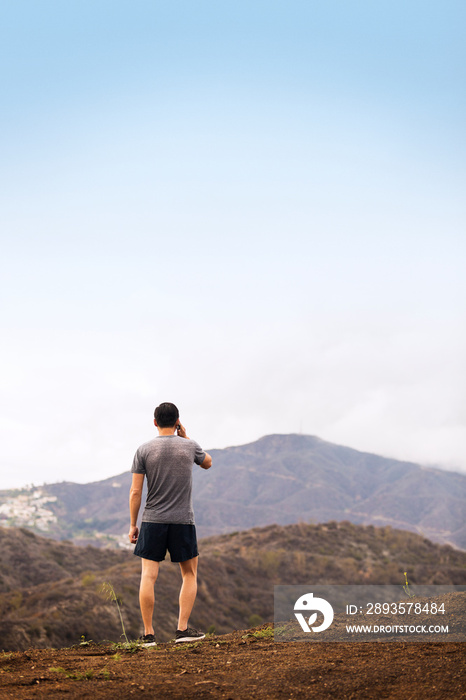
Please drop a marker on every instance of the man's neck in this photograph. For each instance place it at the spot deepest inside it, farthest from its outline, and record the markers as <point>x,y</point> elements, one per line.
<point>166,431</point>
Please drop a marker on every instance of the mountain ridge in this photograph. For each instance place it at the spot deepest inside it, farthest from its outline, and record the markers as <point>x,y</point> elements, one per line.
<point>276,479</point>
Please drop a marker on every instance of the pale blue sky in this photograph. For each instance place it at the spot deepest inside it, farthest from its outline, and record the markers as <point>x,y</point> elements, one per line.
<point>253,209</point>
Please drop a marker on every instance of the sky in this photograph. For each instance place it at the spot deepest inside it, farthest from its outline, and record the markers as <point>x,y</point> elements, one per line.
<point>254,210</point>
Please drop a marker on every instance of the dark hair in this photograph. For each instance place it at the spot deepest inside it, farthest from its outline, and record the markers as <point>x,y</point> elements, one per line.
<point>166,415</point>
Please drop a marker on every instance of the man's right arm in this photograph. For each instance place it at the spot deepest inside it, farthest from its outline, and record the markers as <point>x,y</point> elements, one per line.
<point>135,496</point>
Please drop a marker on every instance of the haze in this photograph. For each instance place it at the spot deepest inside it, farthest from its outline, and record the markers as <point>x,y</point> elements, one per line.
<point>252,209</point>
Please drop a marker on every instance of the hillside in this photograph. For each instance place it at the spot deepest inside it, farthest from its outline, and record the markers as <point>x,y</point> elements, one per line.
<point>277,479</point>
<point>283,478</point>
<point>51,594</point>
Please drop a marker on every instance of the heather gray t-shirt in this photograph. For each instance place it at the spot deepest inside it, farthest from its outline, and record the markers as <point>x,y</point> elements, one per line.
<point>167,461</point>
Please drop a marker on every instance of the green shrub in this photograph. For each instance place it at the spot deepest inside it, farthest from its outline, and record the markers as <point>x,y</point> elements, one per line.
<point>255,620</point>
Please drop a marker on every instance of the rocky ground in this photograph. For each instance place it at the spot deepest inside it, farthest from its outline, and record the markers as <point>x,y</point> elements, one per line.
<point>243,664</point>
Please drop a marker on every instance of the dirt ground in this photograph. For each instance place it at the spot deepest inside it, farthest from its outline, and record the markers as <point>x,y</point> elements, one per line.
<point>246,664</point>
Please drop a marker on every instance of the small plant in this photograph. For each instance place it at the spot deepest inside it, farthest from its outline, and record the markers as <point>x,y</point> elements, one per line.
<point>263,634</point>
<point>84,676</point>
<point>129,646</point>
<point>85,642</point>
<point>187,645</point>
<point>406,587</point>
<point>255,620</point>
<point>109,591</point>
<point>260,634</point>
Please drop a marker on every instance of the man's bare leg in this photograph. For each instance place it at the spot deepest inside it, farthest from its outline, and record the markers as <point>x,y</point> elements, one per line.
<point>149,573</point>
<point>188,591</point>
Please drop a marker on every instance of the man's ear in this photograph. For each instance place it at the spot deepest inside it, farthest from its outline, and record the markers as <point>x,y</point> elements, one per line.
<point>155,422</point>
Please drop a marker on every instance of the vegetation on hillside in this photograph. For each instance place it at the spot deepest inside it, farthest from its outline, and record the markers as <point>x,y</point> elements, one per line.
<point>51,593</point>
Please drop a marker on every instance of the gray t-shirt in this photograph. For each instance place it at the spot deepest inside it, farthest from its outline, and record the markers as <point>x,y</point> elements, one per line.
<point>167,461</point>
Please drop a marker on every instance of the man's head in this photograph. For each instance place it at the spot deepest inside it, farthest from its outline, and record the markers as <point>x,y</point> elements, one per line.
<point>166,415</point>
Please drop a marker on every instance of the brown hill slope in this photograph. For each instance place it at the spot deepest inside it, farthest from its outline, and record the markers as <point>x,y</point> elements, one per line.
<point>237,573</point>
<point>277,479</point>
<point>28,560</point>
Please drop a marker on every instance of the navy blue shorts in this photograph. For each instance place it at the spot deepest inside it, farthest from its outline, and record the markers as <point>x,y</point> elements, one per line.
<point>155,538</point>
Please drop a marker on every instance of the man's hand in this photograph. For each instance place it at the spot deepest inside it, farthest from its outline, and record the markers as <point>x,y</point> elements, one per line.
<point>133,534</point>
<point>182,432</point>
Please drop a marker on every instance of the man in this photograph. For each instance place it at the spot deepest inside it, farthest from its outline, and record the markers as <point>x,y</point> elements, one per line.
<point>168,518</point>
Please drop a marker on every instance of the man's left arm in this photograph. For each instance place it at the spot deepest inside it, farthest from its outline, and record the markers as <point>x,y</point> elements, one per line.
<point>135,496</point>
<point>206,461</point>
